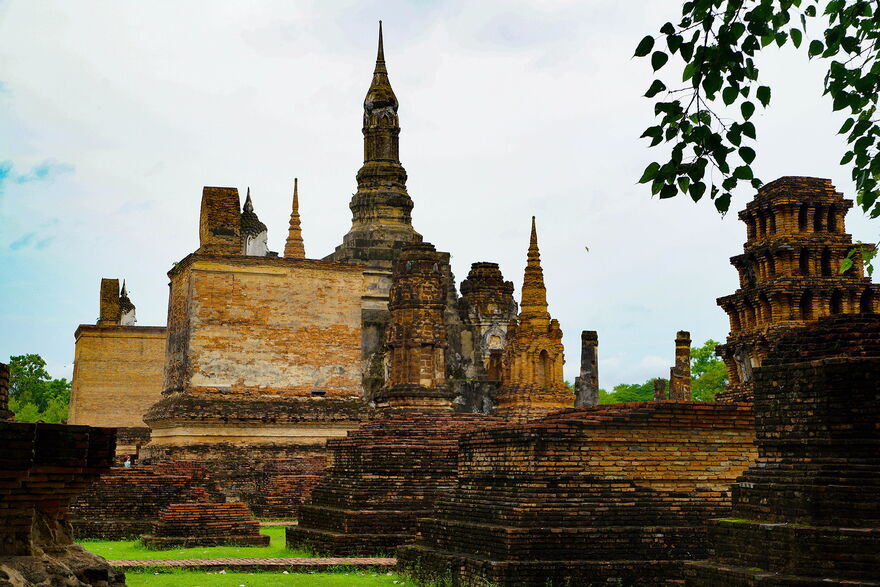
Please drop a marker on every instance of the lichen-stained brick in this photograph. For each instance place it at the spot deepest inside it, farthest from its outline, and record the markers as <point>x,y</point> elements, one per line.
<point>257,327</point>
<point>117,374</point>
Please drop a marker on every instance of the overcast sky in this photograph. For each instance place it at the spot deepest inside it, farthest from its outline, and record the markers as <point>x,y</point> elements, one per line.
<point>114,114</point>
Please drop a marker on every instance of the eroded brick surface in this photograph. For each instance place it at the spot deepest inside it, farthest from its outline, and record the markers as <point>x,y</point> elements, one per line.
<point>205,524</point>
<point>807,513</point>
<point>607,495</point>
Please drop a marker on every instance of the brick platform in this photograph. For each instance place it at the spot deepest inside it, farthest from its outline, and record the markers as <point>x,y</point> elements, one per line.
<point>205,524</point>
<point>382,478</point>
<point>124,503</point>
<point>593,495</point>
<point>807,512</point>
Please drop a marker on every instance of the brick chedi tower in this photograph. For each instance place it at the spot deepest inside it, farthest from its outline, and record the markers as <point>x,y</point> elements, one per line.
<point>532,383</point>
<point>294,248</point>
<point>389,472</point>
<point>416,346</point>
<point>789,272</point>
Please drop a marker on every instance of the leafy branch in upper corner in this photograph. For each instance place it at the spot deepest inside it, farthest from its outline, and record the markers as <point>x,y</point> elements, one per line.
<point>717,40</point>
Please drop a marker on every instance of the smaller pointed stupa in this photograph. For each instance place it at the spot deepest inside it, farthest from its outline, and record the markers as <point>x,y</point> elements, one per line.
<point>294,248</point>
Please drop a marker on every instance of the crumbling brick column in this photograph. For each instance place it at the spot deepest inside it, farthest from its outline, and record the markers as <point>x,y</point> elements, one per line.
<point>660,389</point>
<point>5,413</point>
<point>586,386</point>
<point>110,310</point>
<point>680,374</point>
<point>417,333</point>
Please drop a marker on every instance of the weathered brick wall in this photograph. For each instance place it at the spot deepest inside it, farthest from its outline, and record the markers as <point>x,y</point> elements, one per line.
<point>42,467</point>
<point>205,524</point>
<point>382,477</point>
<point>606,495</point>
<point>117,375</point>
<point>807,512</point>
<point>264,327</point>
<point>124,502</point>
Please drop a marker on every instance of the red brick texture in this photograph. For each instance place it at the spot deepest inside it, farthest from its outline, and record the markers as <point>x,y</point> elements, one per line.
<point>807,512</point>
<point>205,524</point>
<point>607,495</point>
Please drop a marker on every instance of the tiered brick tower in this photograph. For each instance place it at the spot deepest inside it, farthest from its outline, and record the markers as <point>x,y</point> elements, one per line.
<point>390,471</point>
<point>532,383</point>
<point>807,512</point>
<point>487,307</point>
<point>789,272</point>
<point>417,334</point>
<point>294,248</point>
<point>381,221</point>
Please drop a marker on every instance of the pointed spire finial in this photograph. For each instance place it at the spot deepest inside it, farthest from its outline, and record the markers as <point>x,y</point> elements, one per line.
<point>533,305</point>
<point>380,54</point>
<point>248,205</point>
<point>294,247</point>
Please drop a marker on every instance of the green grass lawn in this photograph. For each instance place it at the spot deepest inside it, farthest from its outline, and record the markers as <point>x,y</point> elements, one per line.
<point>179,578</point>
<point>133,550</point>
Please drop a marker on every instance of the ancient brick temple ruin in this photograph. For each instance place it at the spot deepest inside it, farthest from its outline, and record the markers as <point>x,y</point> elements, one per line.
<point>789,272</point>
<point>616,494</point>
<point>263,359</point>
<point>389,472</point>
<point>43,466</point>
<point>531,381</point>
<point>117,372</point>
<point>205,524</point>
<point>807,512</point>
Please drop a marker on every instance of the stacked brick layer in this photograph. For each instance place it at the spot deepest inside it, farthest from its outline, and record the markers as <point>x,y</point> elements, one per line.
<point>124,503</point>
<point>586,496</point>
<point>205,524</point>
<point>42,467</point>
<point>807,512</point>
<point>382,477</point>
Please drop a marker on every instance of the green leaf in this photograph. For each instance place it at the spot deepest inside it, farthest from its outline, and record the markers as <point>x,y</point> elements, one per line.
<point>668,191</point>
<point>659,59</point>
<point>683,183</point>
<point>747,109</point>
<point>743,172</point>
<point>644,47</point>
<point>847,158</point>
<point>655,88</point>
<point>796,37</point>
<point>816,48</point>
<point>763,95</point>
<point>747,154</point>
<point>722,203</point>
<point>729,95</point>
<point>846,263</point>
<point>697,190</point>
<point>748,129</point>
<point>689,70</point>
<point>846,126</point>
<point>650,172</point>
<point>667,29</point>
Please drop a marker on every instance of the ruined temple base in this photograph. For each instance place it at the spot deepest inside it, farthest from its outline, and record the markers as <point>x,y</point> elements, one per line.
<point>383,477</point>
<point>267,453</point>
<point>205,524</point>
<point>616,494</point>
<point>807,512</point>
<point>466,570</point>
